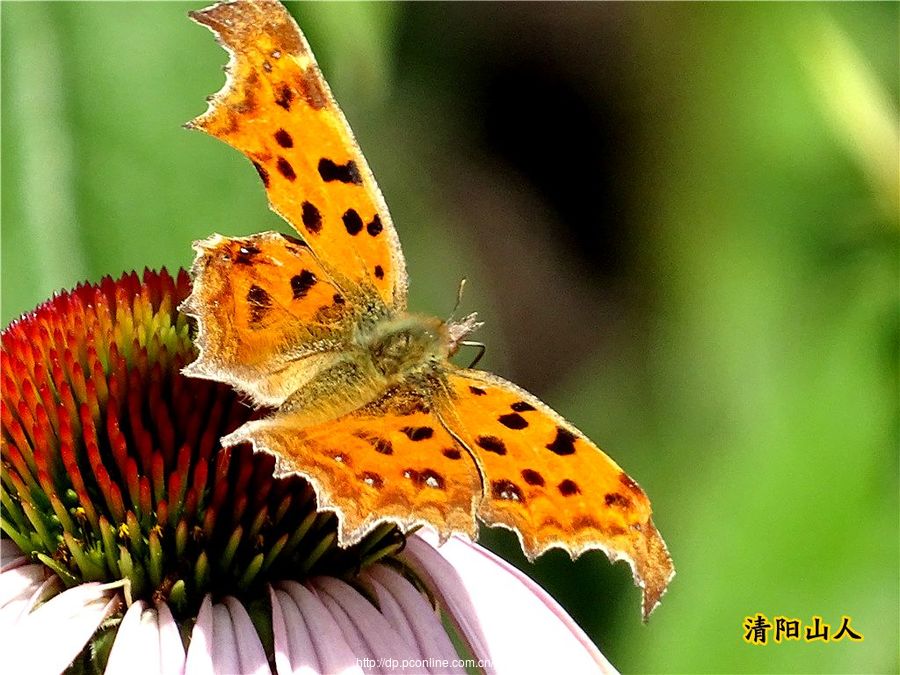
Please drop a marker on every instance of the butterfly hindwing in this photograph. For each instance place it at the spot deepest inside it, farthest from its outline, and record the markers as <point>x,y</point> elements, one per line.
<point>390,460</point>
<point>277,109</point>
<point>268,315</point>
<point>549,483</point>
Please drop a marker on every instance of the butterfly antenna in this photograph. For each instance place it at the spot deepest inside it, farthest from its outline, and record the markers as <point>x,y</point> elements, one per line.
<point>480,346</point>
<point>459,296</point>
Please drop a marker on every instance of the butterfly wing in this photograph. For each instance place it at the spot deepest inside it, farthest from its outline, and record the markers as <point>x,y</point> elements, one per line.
<point>390,460</point>
<point>550,484</point>
<point>277,109</point>
<point>268,315</point>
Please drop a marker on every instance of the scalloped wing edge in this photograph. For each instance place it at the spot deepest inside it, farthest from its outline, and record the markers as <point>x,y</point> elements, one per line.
<point>347,536</point>
<point>651,594</point>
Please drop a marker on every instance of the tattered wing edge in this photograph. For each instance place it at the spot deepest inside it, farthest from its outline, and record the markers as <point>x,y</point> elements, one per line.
<point>346,537</point>
<point>651,599</point>
<point>401,285</point>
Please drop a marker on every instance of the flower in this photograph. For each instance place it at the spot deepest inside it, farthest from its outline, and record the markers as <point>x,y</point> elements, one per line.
<point>133,541</point>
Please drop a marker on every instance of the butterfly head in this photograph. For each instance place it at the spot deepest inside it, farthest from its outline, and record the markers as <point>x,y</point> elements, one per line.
<point>459,330</point>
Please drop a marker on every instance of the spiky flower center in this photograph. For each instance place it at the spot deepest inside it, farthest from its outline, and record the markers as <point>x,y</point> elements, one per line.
<point>112,468</point>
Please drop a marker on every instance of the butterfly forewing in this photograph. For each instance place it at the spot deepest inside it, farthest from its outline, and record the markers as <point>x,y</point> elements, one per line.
<point>277,109</point>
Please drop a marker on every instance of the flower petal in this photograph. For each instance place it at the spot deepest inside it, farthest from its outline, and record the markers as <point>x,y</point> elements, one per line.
<point>251,653</point>
<point>70,618</point>
<point>375,637</point>
<point>401,602</point>
<point>332,650</point>
<point>444,581</point>
<point>136,648</point>
<point>10,555</point>
<point>18,607</point>
<point>224,640</point>
<point>199,654</point>
<point>393,612</point>
<point>527,629</point>
<point>20,582</point>
<point>171,648</point>
<point>294,651</point>
<point>224,654</point>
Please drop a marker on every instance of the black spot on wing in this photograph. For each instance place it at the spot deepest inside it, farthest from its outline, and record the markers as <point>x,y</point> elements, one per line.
<point>284,95</point>
<point>379,272</point>
<point>285,169</point>
<point>477,391</point>
<point>383,446</point>
<point>491,444</point>
<point>260,303</point>
<point>312,219</point>
<point>418,433</point>
<point>431,478</point>
<point>617,500</point>
<point>372,479</point>
<point>375,227</point>
<point>301,283</point>
<point>245,254</point>
<point>506,490</point>
<point>284,139</point>
<point>532,477</point>
<point>568,488</point>
<point>564,443</point>
<point>352,222</point>
<point>522,406</point>
<point>345,173</point>
<point>513,421</point>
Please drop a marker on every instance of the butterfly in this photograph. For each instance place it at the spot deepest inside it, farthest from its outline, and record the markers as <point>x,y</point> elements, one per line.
<point>368,407</point>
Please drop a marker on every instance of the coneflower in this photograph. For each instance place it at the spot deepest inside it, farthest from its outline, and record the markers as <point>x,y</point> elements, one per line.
<point>132,542</point>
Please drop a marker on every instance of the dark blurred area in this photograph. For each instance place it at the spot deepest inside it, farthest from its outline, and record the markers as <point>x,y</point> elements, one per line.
<point>679,222</point>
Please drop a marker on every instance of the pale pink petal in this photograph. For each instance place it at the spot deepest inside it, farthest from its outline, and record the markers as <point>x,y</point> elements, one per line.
<point>143,643</point>
<point>171,648</point>
<point>199,653</point>
<point>294,651</point>
<point>251,654</point>
<point>393,612</point>
<point>527,628</point>
<point>332,650</point>
<point>225,657</point>
<point>136,647</point>
<point>20,582</point>
<point>444,581</point>
<point>18,607</point>
<point>350,634</point>
<point>70,618</point>
<point>415,612</point>
<point>9,552</point>
<point>376,638</point>
<point>12,563</point>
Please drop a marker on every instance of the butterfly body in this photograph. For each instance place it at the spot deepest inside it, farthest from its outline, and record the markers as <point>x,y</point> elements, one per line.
<point>403,345</point>
<point>365,401</point>
<point>398,351</point>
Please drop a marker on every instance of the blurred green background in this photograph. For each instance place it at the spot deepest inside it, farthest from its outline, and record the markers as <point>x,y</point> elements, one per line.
<point>680,223</point>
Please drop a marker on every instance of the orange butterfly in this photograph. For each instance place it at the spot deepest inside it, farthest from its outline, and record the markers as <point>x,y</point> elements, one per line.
<point>369,407</point>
